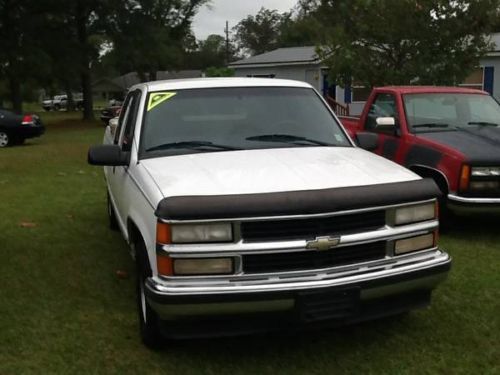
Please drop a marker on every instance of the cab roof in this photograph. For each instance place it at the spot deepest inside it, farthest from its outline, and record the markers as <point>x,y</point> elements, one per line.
<point>200,83</point>
<point>431,90</point>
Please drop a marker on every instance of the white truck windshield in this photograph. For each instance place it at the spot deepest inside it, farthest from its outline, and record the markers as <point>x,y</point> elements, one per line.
<point>221,119</point>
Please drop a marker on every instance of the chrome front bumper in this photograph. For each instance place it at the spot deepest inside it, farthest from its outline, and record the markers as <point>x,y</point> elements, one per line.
<point>456,198</point>
<point>462,204</point>
<point>270,293</point>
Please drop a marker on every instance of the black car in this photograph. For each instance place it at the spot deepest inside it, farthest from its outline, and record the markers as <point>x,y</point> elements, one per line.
<point>15,129</point>
<point>109,113</point>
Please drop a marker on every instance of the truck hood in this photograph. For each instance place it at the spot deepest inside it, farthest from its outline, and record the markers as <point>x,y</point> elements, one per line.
<point>479,145</point>
<point>271,170</point>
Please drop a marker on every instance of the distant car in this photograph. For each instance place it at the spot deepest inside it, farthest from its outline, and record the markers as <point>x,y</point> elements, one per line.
<point>115,102</point>
<point>61,102</point>
<point>15,129</point>
<point>109,113</point>
<point>48,104</point>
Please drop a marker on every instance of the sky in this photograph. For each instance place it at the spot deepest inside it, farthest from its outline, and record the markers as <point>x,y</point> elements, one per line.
<point>212,19</point>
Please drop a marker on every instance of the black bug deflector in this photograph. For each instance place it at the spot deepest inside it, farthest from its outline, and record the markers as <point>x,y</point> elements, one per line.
<point>306,202</point>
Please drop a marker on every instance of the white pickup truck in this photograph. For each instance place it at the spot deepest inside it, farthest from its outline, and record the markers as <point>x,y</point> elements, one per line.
<point>247,207</point>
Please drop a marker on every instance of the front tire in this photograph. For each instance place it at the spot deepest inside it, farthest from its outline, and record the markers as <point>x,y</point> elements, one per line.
<point>5,139</point>
<point>149,323</point>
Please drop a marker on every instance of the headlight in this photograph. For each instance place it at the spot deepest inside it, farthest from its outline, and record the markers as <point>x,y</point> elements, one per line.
<point>199,233</point>
<point>215,266</point>
<point>409,245</point>
<point>485,171</point>
<point>415,214</point>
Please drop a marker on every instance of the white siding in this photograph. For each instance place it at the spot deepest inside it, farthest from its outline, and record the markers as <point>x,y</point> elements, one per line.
<point>494,62</point>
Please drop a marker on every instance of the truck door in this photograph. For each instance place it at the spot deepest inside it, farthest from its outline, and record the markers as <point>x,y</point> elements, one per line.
<point>385,105</point>
<point>118,176</point>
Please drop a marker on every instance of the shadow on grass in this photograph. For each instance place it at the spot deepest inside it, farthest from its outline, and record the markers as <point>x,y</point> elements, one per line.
<point>469,224</point>
<point>283,343</point>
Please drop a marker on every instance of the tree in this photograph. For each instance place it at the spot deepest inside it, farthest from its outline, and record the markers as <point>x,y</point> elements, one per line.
<point>382,42</point>
<point>210,52</point>
<point>148,35</point>
<point>219,72</point>
<point>21,56</point>
<point>299,28</point>
<point>260,33</point>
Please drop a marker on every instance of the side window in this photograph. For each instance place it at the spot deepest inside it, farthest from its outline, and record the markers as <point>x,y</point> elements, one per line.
<point>123,116</point>
<point>130,120</point>
<point>384,105</point>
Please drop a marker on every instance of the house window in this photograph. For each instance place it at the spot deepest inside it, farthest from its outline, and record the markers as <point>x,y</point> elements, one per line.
<point>360,93</point>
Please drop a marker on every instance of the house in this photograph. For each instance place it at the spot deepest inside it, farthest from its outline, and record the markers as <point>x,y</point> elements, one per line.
<point>303,64</point>
<point>106,88</point>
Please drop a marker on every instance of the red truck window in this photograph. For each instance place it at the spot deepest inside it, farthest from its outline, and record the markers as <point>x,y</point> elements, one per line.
<point>384,105</point>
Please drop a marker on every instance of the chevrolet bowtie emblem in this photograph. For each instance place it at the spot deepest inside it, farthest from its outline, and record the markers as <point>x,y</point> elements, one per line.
<point>323,243</point>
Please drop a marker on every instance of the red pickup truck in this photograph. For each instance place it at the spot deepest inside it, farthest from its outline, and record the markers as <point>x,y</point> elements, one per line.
<point>447,133</point>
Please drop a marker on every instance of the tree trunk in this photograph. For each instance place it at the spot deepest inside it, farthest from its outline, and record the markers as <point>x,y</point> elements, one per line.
<point>70,105</point>
<point>16,97</point>
<point>84,63</point>
<point>142,76</point>
<point>88,105</point>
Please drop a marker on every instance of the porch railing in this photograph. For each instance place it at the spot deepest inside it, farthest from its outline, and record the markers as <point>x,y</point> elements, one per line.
<point>339,109</point>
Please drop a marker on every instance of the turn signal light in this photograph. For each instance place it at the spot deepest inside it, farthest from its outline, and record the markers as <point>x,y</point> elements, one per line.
<point>464,178</point>
<point>163,233</point>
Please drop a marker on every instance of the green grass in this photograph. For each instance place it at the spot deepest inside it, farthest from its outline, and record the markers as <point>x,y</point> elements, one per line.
<point>64,310</point>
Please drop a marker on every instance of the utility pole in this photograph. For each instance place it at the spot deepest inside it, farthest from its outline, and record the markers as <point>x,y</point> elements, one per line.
<point>226,30</point>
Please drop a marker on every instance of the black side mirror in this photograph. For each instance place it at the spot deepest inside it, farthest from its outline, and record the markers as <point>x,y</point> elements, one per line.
<point>108,155</point>
<point>367,141</point>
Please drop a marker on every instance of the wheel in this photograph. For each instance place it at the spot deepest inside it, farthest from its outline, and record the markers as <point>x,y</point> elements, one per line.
<point>4,139</point>
<point>113,222</point>
<point>148,319</point>
<point>57,107</point>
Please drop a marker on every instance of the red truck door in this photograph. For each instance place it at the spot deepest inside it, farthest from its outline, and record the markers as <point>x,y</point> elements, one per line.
<point>390,142</point>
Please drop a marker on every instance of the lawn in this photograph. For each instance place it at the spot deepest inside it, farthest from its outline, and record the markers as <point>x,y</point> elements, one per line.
<point>63,309</point>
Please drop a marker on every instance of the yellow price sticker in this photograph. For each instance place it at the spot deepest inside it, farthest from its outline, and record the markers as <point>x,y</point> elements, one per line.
<point>157,98</point>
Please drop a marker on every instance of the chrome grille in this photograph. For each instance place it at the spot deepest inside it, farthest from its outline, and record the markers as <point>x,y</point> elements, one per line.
<point>305,260</point>
<point>310,228</point>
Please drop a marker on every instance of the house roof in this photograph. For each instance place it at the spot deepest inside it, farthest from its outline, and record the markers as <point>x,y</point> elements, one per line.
<point>106,84</point>
<point>281,56</point>
<point>307,55</point>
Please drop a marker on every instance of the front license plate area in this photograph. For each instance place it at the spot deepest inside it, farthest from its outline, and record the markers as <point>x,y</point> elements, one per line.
<point>328,304</point>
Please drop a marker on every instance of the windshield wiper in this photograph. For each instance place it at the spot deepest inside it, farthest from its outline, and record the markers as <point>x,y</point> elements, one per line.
<point>431,125</point>
<point>191,145</point>
<point>287,138</point>
<point>482,123</point>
